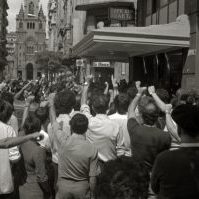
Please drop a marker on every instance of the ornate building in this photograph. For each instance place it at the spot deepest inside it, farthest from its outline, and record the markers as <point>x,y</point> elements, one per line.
<point>3,25</point>
<point>10,71</point>
<point>31,38</point>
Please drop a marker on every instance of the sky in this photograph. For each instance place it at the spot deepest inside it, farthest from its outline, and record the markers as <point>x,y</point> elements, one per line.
<point>14,7</point>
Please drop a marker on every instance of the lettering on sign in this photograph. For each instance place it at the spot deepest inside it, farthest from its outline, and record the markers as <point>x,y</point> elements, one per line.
<point>101,64</point>
<point>121,14</point>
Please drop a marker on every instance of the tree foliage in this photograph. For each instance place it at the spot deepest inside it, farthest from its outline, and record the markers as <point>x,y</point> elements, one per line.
<point>50,62</point>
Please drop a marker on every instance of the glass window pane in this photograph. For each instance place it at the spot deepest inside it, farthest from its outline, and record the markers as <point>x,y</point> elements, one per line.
<point>163,15</point>
<point>163,3</point>
<point>149,7</point>
<point>181,7</point>
<point>173,11</point>
<point>148,21</point>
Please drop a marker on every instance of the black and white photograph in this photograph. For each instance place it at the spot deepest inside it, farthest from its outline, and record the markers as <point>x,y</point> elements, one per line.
<point>99,99</point>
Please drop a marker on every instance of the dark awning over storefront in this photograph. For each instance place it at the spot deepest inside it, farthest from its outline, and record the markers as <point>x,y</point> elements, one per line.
<point>120,43</point>
<point>90,4</point>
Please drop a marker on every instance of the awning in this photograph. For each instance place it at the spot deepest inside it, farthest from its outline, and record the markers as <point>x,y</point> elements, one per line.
<point>120,43</point>
<point>91,4</point>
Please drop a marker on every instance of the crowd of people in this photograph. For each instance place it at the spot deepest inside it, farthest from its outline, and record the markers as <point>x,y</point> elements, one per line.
<point>98,141</point>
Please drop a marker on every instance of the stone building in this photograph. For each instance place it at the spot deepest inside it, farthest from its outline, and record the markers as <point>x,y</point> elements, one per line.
<point>10,69</point>
<point>31,38</point>
<point>3,31</point>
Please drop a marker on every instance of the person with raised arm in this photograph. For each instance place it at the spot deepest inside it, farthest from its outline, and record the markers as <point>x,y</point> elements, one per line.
<point>147,141</point>
<point>171,127</point>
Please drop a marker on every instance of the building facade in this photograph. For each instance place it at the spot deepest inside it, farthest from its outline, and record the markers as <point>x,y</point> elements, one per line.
<point>10,71</point>
<point>30,38</point>
<point>104,14</point>
<point>184,70</point>
<point>3,32</point>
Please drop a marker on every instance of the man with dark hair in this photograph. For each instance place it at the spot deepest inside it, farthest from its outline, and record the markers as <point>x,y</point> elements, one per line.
<point>64,103</point>
<point>147,141</point>
<point>176,173</point>
<point>102,132</point>
<point>121,103</point>
<point>78,160</point>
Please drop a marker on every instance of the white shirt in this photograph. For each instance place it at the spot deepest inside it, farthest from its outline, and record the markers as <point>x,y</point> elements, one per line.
<point>7,155</point>
<point>122,121</point>
<point>104,134</point>
<point>54,142</point>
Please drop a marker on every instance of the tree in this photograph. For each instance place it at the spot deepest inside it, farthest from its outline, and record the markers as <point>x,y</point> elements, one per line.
<point>50,62</point>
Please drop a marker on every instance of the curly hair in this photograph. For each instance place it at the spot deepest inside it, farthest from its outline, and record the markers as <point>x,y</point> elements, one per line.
<point>123,178</point>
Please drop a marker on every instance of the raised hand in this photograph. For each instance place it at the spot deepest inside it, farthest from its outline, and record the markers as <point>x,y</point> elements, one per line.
<point>139,88</point>
<point>168,108</point>
<point>151,90</point>
<point>114,82</point>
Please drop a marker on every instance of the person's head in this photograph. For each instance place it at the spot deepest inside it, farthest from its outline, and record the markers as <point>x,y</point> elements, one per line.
<point>64,102</point>
<point>187,118</point>
<point>163,95</point>
<point>79,124</point>
<point>122,103</point>
<point>148,110</point>
<point>123,178</point>
<point>6,110</point>
<point>6,96</point>
<point>100,103</point>
<point>132,91</point>
<point>42,114</point>
<point>32,124</point>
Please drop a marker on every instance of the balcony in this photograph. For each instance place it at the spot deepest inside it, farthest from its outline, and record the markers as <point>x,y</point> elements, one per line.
<point>91,4</point>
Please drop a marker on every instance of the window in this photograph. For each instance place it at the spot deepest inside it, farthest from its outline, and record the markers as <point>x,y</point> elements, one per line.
<point>28,25</point>
<point>20,24</point>
<point>40,25</point>
<point>163,2</point>
<point>154,6</point>
<point>31,8</point>
<point>33,25</point>
<point>149,7</point>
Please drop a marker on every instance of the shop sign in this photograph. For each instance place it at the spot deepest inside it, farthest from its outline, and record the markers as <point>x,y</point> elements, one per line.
<point>121,14</point>
<point>102,64</point>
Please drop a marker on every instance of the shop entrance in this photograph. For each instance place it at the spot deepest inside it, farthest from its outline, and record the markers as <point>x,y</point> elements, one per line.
<point>163,70</point>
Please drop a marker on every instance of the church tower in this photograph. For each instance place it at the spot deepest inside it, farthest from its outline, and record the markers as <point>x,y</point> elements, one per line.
<point>31,38</point>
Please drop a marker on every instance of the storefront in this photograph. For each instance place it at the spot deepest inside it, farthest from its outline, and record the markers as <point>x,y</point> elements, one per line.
<point>155,54</point>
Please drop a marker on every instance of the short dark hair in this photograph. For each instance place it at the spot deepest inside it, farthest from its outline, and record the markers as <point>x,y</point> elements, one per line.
<point>64,102</point>
<point>163,95</point>
<point>122,103</point>
<point>100,103</point>
<point>6,96</point>
<point>32,124</point>
<point>149,110</point>
<point>79,124</point>
<point>6,110</point>
<point>123,177</point>
<point>42,113</point>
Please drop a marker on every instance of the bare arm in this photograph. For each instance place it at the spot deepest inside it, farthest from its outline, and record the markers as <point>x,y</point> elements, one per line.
<point>17,95</point>
<point>26,109</point>
<point>134,103</point>
<point>14,141</point>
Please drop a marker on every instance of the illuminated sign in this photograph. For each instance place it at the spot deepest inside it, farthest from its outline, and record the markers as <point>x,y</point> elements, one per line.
<point>121,14</point>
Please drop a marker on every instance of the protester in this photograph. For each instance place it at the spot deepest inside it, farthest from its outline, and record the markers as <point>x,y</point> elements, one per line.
<point>78,161</point>
<point>146,139</point>
<point>36,185</point>
<point>176,173</point>
<point>102,132</point>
